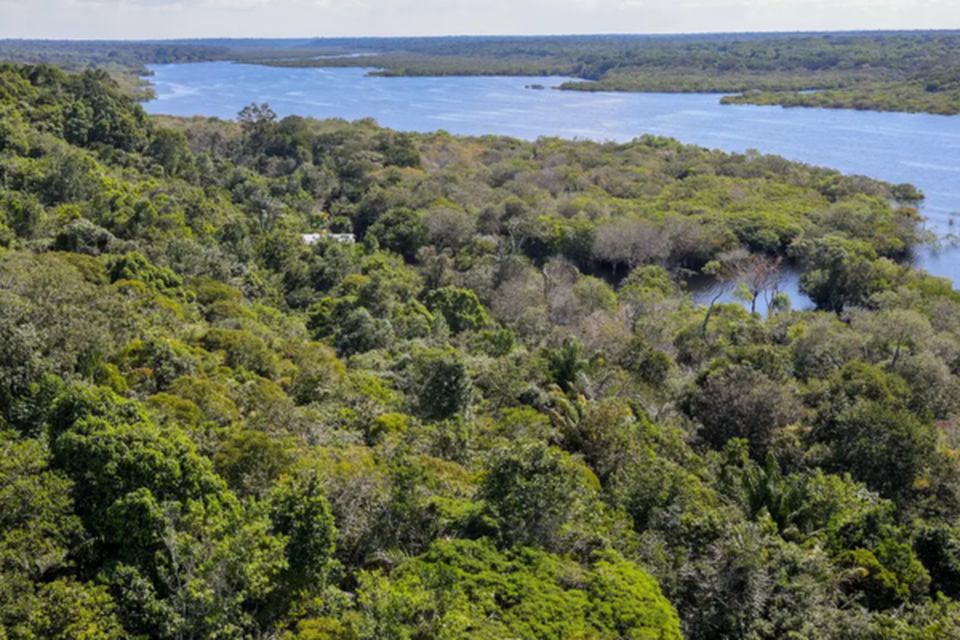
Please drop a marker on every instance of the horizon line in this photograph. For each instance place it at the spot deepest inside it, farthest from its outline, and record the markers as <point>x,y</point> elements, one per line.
<point>955,30</point>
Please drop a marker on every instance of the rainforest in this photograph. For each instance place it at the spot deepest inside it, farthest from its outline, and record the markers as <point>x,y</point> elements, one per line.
<point>298,379</point>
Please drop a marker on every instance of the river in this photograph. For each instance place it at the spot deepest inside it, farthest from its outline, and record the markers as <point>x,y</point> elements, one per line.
<point>917,148</point>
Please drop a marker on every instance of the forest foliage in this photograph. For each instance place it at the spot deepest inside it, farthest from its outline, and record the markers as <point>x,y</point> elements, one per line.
<point>125,61</point>
<point>498,414</point>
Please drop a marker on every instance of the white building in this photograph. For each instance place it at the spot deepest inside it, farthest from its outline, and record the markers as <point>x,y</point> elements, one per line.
<point>342,238</point>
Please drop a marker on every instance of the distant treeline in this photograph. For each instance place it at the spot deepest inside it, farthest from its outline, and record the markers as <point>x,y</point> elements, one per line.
<point>883,71</point>
<point>890,71</point>
<point>125,61</point>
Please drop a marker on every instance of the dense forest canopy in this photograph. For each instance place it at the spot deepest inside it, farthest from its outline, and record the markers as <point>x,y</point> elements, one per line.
<point>498,414</point>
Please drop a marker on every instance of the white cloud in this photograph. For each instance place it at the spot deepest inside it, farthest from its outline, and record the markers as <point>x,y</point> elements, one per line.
<point>277,18</point>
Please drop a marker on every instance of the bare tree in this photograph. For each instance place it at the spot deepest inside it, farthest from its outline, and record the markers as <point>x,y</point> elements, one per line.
<point>757,275</point>
<point>450,228</point>
<point>724,270</point>
<point>631,242</point>
<point>559,278</point>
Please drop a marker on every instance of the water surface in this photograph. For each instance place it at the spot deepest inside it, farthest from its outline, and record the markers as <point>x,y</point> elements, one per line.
<point>917,148</point>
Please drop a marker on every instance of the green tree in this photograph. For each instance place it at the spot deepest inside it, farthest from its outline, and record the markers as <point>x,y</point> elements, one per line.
<point>468,589</point>
<point>401,230</point>
<point>842,272</point>
<point>885,447</point>
<point>740,402</point>
<point>539,495</point>
<point>440,384</point>
<point>299,511</point>
<point>460,307</point>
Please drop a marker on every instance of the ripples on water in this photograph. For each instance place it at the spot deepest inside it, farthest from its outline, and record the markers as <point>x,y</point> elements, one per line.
<point>917,148</point>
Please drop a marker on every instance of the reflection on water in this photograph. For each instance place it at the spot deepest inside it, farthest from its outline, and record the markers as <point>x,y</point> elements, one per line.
<point>916,148</point>
<point>706,289</point>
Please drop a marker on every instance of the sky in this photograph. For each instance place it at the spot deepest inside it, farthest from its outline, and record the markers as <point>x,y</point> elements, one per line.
<point>156,19</point>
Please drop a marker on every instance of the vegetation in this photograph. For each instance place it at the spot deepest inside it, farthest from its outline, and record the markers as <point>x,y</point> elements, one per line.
<point>880,71</point>
<point>124,61</point>
<point>885,71</point>
<point>499,414</point>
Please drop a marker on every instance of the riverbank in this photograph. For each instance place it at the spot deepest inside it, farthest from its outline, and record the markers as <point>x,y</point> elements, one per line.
<point>901,72</point>
<point>879,71</point>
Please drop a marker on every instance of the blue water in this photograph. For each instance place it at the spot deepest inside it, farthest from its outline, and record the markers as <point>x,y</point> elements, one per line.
<point>916,148</point>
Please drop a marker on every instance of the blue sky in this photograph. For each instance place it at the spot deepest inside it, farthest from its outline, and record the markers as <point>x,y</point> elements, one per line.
<point>132,19</point>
